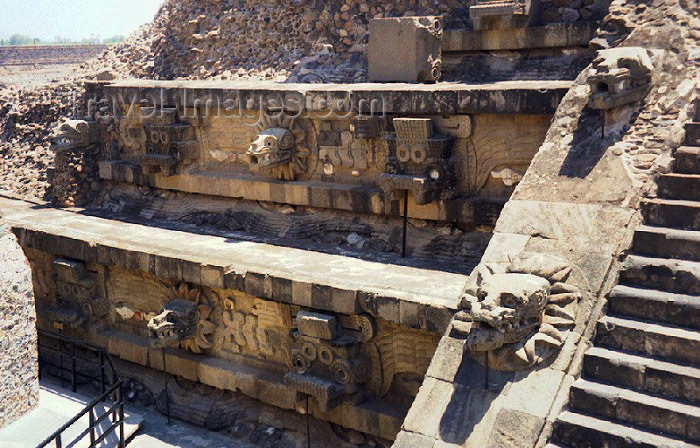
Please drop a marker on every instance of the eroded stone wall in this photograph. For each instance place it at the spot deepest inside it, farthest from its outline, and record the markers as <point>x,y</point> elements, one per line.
<point>19,383</point>
<point>49,54</point>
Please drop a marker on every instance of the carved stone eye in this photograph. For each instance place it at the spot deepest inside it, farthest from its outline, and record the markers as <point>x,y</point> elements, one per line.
<point>509,302</point>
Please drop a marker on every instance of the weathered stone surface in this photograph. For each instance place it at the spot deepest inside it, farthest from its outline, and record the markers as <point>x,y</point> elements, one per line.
<point>554,35</point>
<point>19,383</point>
<point>405,49</point>
<point>426,305</point>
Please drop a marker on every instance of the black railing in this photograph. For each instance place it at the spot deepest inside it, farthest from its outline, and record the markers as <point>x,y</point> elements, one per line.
<point>69,356</point>
<point>115,413</point>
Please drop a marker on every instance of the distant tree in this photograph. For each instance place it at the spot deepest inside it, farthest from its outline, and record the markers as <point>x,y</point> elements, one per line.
<point>62,40</point>
<point>115,39</point>
<point>20,39</point>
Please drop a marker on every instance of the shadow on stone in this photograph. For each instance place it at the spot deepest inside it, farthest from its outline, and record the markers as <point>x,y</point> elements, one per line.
<point>588,147</point>
<point>471,400</point>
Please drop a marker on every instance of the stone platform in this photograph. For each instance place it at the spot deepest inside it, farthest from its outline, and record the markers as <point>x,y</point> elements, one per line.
<point>416,298</point>
<point>521,97</point>
<point>390,316</point>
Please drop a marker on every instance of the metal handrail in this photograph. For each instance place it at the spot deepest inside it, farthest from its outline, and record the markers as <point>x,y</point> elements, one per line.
<point>119,405</point>
<point>104,359</point>
<point>108,391</point>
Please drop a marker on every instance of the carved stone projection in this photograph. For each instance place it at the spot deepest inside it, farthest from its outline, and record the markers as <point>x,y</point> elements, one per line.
<point>160,141</point>
<point>72,134</point>
<point>280,148</point>
<point>405,49</point>
<point>78,295</point>
<point>184,321</point>
<point>496,14</point>
<point>515,317</point>
<point>327,359</point>
<point>418,160</point>
<point>620,76</point>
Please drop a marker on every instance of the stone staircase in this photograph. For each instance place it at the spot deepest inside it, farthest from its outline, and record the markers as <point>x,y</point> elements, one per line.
<point>640,384</point>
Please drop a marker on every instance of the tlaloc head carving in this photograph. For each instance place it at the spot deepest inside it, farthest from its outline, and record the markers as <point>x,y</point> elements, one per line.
<point>517,316</point>
<point>183,321</point>
<point>74,134</point>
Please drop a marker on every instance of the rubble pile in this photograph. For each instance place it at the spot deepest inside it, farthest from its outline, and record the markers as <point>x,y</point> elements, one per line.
<point>28,115</point>
<point>300,41</point>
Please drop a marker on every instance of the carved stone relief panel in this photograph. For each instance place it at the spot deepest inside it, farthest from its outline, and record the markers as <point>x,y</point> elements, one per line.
<point>419,160</point>
<point>255,327</point>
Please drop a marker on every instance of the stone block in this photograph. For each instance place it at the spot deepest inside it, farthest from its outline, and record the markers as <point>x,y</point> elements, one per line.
<point>429,408</point>
<point>191,272</point>
<point>515,429</point>
<point>405,49</point>
<point>281,289</point>
<point>181,363</point>
<point>574,225</point>
<point>301,293</point>
<point>447,359</point>
<point>128,347</point>
<point>543,384</point>
<point>234,280</point>
<point>212,276</point>
<point>413,440</point>
<point>409,314</point>
<point>255,285</point>
<point>317,325</point>
<point>387,308</point>
<point>504,246</point>
<point>436,318</point>
<point>105,170</point>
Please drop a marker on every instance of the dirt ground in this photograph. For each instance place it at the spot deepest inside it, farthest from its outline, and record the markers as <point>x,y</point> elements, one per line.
<point>33,76</point>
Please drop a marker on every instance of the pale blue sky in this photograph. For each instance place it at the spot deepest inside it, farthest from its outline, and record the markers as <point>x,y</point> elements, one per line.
<point>75,19</point>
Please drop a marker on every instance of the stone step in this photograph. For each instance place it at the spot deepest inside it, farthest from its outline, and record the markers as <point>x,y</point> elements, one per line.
<point>643,374</point>
<point>672,213</point>
<point>692,134</point>
<point>676,309</point>
<point>629,407</point>
<point>57,406</point>
<point>583,431</point>
<point>679,186</point>
<point>662,242</point>
<point>679,276</point>
<point>687,160</point>
<point>651,339</point>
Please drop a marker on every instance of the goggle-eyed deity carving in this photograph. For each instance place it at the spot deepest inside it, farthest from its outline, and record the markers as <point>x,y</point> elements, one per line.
<point>327,361</point>
<point>78,299</point>
<point>419,161</point>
